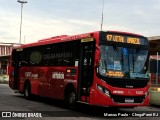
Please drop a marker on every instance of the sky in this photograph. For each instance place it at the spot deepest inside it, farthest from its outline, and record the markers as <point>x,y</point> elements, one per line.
<point>48,18</point>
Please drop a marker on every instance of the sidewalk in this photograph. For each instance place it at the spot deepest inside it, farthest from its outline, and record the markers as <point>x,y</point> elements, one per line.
<point>4,79</point>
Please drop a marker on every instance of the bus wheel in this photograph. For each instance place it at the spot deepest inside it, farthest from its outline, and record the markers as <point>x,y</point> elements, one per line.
<point>27,91</point>
<point>71,99</point>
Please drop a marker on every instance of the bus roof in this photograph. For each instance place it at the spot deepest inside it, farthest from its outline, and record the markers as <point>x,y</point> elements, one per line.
<point>125,33</point>
<point>58,39</point>
<point>63,38</point>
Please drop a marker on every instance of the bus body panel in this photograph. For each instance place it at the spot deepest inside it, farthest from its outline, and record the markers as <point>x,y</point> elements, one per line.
<point>47,82</point>
<point>51,81</point>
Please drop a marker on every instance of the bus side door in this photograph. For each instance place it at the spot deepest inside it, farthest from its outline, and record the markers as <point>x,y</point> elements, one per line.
<point>86,66</point>
<point>16,63</point>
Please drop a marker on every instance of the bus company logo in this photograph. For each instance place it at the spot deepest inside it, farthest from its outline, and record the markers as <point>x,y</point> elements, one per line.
<point>129,92</point>
<point>35,57</point>
<point>118,92</point>
<point>57,75</point>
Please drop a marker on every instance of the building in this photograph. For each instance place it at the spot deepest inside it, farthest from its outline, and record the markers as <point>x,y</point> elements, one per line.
<point>154,45</point>
<point>154,51</point>
<point>5,52</point>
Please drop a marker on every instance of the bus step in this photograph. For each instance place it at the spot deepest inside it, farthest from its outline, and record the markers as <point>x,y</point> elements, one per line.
<point>82,102</point>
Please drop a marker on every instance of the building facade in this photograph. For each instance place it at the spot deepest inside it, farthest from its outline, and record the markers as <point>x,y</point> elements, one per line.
<point>5,53</point>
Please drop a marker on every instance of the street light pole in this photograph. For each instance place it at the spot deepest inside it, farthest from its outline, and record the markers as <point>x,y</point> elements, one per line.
<point>102,15</point>
<point>22,2</point>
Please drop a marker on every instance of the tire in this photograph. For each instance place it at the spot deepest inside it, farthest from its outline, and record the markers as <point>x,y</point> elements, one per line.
<point>71,99</point>
<point>27,91</point>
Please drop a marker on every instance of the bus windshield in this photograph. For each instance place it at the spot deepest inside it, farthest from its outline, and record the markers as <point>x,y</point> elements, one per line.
<point>118,61</point>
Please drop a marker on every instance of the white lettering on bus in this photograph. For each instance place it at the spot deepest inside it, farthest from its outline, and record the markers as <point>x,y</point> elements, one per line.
<point>139,92</point>
<point>69,80</point>
<point>57,75</point>
<point>34,75</point>
<point>118,92</point>
<point>57,55</point>
<point>31,75</point>
<point>28,74</point>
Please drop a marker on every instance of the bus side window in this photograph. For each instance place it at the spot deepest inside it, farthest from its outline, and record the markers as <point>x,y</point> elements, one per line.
<point>23,59</point>
<point>16,58</point>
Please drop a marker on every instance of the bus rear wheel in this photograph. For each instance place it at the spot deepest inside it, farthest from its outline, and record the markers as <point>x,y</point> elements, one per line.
<point>71,99</point>
<point>27,91</point>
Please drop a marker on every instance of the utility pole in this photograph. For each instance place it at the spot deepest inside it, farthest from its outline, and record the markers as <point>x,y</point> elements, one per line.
<point>102,16</point>
<point>21,2</point>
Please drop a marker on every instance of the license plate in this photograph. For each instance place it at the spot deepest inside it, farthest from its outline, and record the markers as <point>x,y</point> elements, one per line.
<point>128,100</point>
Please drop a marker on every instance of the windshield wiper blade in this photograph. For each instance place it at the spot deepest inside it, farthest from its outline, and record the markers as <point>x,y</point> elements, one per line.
<point>117,51</point>
<point>133,59</point>
<point>135,56</point>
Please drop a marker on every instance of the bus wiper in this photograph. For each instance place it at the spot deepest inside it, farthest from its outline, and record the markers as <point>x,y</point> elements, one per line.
<point>116,49</point>
<point>133,59</point>
<point>119,56</point>
<point>135,56</point>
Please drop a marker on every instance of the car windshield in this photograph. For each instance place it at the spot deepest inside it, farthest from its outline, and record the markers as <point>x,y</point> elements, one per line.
<point>123,62</point>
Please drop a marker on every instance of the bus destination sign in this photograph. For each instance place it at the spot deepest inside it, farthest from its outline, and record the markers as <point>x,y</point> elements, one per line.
<point>126,39</point>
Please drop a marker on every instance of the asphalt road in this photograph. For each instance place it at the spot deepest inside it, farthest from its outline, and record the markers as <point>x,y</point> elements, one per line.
<point>48,109</point>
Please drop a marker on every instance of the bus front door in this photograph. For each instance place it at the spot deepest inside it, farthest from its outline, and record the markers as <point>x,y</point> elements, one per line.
<point>85,78</point>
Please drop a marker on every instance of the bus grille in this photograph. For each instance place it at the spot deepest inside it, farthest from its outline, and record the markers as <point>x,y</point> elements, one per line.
<point>125,83</point>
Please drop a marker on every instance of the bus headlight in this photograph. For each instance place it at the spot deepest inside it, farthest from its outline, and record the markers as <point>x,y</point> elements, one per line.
<point>147,93</point>
<point>103,90</point>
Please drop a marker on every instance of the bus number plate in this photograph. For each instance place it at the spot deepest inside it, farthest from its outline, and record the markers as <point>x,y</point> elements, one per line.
<point>128,100</point>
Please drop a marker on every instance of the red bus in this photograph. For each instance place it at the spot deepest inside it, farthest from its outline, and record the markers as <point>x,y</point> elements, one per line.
<point>104,68</point>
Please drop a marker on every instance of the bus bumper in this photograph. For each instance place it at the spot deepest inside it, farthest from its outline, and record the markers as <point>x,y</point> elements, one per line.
<point>100,99</point>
